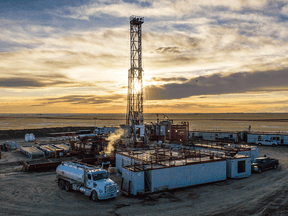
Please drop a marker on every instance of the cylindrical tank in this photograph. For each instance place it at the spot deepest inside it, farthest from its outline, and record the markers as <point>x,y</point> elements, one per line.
<point>71,171</point>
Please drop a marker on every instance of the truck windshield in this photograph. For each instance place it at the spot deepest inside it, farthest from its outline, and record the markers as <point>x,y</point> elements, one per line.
<point>99,176</point>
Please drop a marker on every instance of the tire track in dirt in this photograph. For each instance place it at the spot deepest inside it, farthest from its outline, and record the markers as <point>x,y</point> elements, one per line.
<point>270,197</point>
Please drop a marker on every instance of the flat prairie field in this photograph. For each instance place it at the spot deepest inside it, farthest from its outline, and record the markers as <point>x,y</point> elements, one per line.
<point>262,122</point>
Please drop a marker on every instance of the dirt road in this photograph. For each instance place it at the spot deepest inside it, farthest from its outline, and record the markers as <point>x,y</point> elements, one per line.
<point>36,193</point>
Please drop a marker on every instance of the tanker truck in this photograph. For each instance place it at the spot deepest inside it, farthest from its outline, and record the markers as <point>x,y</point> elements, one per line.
<point>90,180</point>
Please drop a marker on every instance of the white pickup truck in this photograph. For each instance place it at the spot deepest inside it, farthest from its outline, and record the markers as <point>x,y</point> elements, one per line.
<point>266,142</point>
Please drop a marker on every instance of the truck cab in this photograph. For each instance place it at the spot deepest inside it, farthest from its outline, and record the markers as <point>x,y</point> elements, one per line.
<point>99,181</point>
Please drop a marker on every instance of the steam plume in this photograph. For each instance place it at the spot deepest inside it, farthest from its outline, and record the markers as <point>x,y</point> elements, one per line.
<point>112,138</point>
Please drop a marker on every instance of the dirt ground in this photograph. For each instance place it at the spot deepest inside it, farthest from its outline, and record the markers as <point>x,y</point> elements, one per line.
<point>36,193</point>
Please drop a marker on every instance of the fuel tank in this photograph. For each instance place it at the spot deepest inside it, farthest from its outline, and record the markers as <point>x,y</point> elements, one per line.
<point>72,171</point>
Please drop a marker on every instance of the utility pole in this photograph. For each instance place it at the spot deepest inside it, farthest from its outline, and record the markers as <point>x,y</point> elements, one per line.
<point>134,115</point>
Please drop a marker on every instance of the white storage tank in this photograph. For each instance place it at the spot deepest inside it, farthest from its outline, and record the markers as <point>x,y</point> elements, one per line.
<point>71,171</point>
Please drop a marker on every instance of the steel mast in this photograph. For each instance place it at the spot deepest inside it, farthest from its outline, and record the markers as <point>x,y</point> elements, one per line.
<point>134,115</point>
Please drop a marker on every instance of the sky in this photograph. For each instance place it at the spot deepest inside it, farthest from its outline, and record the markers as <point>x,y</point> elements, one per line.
<point>208,56</point>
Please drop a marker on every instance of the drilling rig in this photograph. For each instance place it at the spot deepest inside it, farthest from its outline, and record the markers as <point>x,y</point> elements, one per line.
<point>134,115</point>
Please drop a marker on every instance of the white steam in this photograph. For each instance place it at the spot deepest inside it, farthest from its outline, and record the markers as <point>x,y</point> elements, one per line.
<point>112,138</point>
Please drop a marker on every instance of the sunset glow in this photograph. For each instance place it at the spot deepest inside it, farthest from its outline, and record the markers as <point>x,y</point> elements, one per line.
<point>198,56</point>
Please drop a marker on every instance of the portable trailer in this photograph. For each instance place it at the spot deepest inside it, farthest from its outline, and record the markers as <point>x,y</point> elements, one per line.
<point>119,161</point>
<point>279,138</point>
<point>154,170</point>
<point>238,166</point>
<point>251,151</point>
<point>32,152</point>
<point>219,135</point>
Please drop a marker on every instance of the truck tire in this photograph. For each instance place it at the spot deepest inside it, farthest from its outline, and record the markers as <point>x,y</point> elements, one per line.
<point>67,186</point>
<point>259,170</point>
<point>274,166</point>
<point>94,196</point>
<point>273,145</point>
<point>61,184</point>
<point>259,144</point>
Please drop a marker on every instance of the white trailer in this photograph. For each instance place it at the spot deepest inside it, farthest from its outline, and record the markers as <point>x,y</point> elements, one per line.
<point>238,166</point>
<point>90,180</point>
<point>280,139</point>
<point>162,178</point>
<point>228,136</point>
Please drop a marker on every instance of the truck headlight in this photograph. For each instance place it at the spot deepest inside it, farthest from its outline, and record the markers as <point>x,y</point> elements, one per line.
<point>255,167</point>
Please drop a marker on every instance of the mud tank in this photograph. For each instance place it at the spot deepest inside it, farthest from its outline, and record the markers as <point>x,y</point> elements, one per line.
<point>90,180</point>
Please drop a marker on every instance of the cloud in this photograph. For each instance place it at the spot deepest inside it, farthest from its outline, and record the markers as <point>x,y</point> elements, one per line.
<point>27,82</point>
<point>153,9</point>
<point>169,79</point>
<point>39,81</point>
<point>218,84</point>
<point>187,105</point>
<point>168,50</point>
<point>82,99</point>
<point>181,39</point>
<point>274,102</point>
<point>207,39</point>
<point>221,48</point>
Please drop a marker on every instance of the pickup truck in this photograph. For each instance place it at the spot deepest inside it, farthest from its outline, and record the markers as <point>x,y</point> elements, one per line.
<point>264,163</point>
<point>266,142</point>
